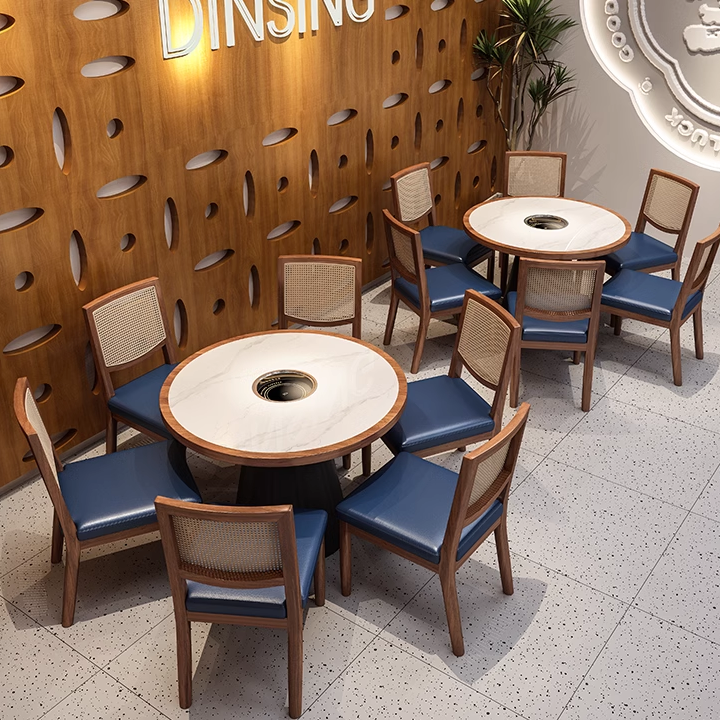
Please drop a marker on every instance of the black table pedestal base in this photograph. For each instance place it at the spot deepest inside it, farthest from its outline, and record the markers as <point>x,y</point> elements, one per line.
<point>305,486</point>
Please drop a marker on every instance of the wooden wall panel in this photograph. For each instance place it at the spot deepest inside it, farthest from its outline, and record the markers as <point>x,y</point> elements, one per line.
<point>173,110</point>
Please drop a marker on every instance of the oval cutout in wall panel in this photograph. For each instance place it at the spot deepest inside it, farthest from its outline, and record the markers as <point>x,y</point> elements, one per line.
<point>476,181</point>
<point>121,187</point>
<point>171,224</point>
<point>316,250</point>
<point>218,306</point>
<point>127,242</point>
<point>211,157</point>
<point>342,161</point>
<point>279,136</point>
<point>6,21</point>
<point>100,9</point>
<point>90,371</point>
<point>395,59</point>
<point>478,74</point>
<point>10,84</point>
<point>344,247</point>
<point>24,281</point>
<point>419,49</point>
<point>438,5</point>
<point>386,186</point>
<point>493,174</point>
<point>439,125</point>
<point>32,339</point>
<point>418,131</point>
<point>438,162</point>
<point>394,142</point>
<point>369,233</point>
<point>342,116</point>
<point>114,128</point>
<point>254,287</point>
<point>180,324</point>
<point>78,260</point>
<point>396,11</point>
<point>394,100</point>
<point>369,151</point>
<point>313,173</point>
<point>477,147</point>
<point>211,211</point>
<point>214,259</point>
<point>61,140</point>
<point>441,46</point>
<point>6,155</point>
<point>249,195</point>
<point>458,189</point>
<point>282,231</point>
<point>463,36</point>
<point>343,204</point>
<point>16,219</point>
<point>42,392</point>
<point>104,67</point>
<point>439,86</point>
<point>460,116</point>
<point>479,111</point>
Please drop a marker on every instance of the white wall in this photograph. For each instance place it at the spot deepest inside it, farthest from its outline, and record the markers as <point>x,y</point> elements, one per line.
<point>609,149</point>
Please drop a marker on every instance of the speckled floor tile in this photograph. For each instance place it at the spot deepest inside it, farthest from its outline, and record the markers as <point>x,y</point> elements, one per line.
<point>25,524</point>
<point>102,698</point>
<point>667,459</point>
<point>685,586</point>
<point>528,651</point>
<point>121,596</point>
<point>239,672</point>
<point>708,504</point>
<point>602,534</point>
<point>384,682</point>
<point>36,668</point>
<point>650,669</point>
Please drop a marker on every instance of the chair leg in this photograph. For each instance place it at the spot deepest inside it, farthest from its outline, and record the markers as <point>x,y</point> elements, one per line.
<point>367,460</point>
<point>295,669</point>
<point>392,313</point>
<point>111,435</point>
<point>345,559</point>
<point>515,380</point>
<point>184,661</point>
<point>503,257</point>
<point>503,554</point>
<point>57,540</point>
<point>576,357</point>
<point>698,328</point>
<point>72,570</point>
<point>491,267</point>
<point>319,577</point>
<point>588,371</point>
<point>452,610</point>
<point>420,343</point>
<point>675,355</point>
<point>347,461</point>
<point>617,324</point>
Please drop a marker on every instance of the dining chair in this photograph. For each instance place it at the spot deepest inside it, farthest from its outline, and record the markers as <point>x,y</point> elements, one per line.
<point>443,412</point>
<point>322,291</point>
<point>664,302</point>
<point>668,206</point>
<point>102,499</point>
<point>249,566</point>
<point>126,326</point>
<point>558,307</point>
<point>437,292</point>
<point>530,173</point>
<point>436,518</point>
<point>442,245</point>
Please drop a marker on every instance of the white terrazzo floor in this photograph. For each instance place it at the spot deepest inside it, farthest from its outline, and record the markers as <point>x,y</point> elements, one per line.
<point>614,525</point>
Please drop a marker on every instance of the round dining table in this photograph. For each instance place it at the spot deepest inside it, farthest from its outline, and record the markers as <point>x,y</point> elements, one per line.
<point>547,228</point>
<point>284,405</point>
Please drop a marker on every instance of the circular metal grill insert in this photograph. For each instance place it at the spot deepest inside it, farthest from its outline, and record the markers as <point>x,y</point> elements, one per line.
<point>284,385</point>
<point>546,222</point>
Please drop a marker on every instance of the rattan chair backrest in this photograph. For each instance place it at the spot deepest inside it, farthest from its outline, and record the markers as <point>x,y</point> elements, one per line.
<point>412,191</point>
<point>700,266</point>
<point>404,249</point>
<point>669,202</point>
<point>534,174</point>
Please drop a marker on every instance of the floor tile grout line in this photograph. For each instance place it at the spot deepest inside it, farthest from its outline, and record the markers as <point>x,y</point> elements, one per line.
<point>27,560</point>
<point>130,690</point>
<point>676,625</point>
<point>65,697</point>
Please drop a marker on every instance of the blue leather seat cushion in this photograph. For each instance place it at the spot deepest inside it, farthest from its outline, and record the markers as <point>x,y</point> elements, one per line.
<point>446,287</point>
<point>641,251</point>
<point>448,245</point>
<point>265,602</point>
<point>645,294</point>
<point>116,492</point>
<point>536,330</point>
<point>139,400</point>
<point>439,410</point>
<point>407,503</point>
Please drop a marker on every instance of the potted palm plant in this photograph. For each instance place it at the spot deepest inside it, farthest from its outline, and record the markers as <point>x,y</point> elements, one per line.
<point>519,54</point>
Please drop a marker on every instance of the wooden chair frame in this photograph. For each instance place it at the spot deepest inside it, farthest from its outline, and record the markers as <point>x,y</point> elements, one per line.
<point>105,373</point>
<point>509,154</point>
<point>63,525</point>
<point>356,321</point>
<point>677,320</point>
<point>460,516</point>
<point>682,234</point>
<point>289,578</point>
<point>457,363</point>
<point>430,217</point>
<point>593,315</point>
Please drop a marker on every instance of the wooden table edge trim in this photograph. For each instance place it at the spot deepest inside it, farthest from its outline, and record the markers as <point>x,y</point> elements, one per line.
<point>545,254</point>
<point>289,459</point>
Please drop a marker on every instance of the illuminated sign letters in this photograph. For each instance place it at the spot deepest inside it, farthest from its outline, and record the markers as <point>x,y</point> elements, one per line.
<point>295,17</point>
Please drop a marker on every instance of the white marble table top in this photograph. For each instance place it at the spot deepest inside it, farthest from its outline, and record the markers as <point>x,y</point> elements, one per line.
<point>211,396</point>
<point>590,230</point>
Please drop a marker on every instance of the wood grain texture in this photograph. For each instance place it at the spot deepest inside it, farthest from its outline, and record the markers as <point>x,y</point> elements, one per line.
<point>171,111</point>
